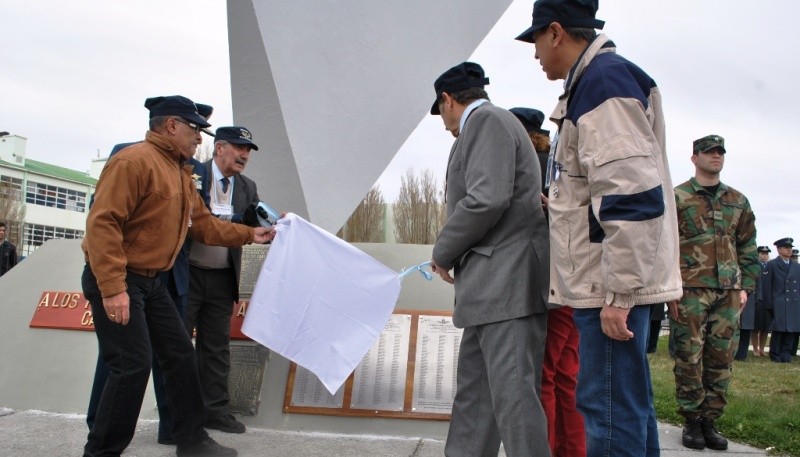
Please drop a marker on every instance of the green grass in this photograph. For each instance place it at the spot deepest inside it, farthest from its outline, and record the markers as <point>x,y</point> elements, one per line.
<point>763,401</point>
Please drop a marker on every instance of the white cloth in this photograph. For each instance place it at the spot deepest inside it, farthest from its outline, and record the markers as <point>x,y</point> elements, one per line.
<point>319,301</point>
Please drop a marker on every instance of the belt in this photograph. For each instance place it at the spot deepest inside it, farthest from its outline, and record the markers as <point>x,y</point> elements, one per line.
<point>144,272</point>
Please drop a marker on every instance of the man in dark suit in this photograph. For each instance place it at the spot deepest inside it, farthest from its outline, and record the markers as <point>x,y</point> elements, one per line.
<point>782,297</point>
<point>214,274</point>
<point>495,239</point>
<point>8,252</point>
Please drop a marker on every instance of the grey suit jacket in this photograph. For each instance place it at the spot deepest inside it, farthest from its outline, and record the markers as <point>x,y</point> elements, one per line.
<point>496,234</point>
<point>244,193</point>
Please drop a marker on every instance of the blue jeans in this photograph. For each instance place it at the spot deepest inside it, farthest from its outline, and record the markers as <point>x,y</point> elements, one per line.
<point>154,326</point>
<point>614,392</point>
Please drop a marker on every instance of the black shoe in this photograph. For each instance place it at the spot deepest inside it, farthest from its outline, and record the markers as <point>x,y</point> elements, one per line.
<point>167,440</point>
<point>208,447</point>
<point>227,424</point>
<point>713,439</point>
<point>693,434</point>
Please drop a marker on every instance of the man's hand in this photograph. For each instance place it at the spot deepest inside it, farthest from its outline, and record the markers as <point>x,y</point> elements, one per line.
<point>672,309</point>
<point>118,308</point>
<point>263,235</point>
<point>742,299</point>
<point>614,322</point>
<point>442,272</point>
<point>543,197</point>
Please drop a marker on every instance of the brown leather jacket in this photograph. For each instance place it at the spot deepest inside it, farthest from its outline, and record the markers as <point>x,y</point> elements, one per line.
<point>145,204</point>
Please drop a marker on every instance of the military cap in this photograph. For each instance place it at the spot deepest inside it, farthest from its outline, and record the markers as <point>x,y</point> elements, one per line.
<point>531,119</point>
<point>235,135</point>
<point>120,147</point>
<point>764,249</point>
<point>568,13</point>
<point>175,105</point>
<point>463,76</point>
<point>784,242</point>
<point>708,143</point>
<point>204,110</point>
<point>795,252</point>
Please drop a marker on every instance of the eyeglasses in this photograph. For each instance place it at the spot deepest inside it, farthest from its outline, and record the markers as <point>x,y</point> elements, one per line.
<point>191,125</point>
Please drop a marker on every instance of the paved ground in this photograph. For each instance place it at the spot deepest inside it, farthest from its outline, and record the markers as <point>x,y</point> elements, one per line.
<point>37,433</point>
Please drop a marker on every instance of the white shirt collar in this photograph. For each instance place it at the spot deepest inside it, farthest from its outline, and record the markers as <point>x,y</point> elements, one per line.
<point>217,173</point>
<point>467,111</point>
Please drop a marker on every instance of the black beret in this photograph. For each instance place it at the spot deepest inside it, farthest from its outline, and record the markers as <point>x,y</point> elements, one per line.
<point>463,76</point>
<point>531,119</point>
<point>175,105</point>
<point>568,13</point>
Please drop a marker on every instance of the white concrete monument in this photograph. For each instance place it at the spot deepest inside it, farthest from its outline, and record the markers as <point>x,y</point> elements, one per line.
<point>332,89</point>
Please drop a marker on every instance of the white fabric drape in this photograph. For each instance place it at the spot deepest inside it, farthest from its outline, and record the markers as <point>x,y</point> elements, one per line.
<point>319,301</point>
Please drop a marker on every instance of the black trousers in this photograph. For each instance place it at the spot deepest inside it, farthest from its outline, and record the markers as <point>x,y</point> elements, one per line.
<point>780,346</point>
<point>101,372</point>
<point>126,349</point>
<point>744,345</point>
<point>211,297</point>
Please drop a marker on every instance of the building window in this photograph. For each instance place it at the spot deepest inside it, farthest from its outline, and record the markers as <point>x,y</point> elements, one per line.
<point>11,187</point>
<point>55,197</point>
<point>35,235</point>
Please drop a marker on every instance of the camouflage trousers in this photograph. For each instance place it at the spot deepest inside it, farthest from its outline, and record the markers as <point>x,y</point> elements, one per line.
<point>705,337</point>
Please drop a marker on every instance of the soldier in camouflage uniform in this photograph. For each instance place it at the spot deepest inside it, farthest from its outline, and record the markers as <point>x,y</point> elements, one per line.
<point>719,267</point>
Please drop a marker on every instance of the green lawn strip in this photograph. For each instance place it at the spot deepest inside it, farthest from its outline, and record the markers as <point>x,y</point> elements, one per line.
<point>763,401</point>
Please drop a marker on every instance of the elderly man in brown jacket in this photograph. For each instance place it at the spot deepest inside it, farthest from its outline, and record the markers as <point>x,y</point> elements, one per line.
<point>145,205</point>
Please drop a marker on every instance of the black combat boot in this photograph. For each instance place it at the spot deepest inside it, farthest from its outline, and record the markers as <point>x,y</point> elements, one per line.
<point>713,439</point>
<point>693,434</point>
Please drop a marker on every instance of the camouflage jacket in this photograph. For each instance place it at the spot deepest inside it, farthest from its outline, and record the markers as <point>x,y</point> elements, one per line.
<point>717,237</point>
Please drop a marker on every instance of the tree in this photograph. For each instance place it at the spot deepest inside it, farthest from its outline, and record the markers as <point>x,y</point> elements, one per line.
<point>418,212</point>
<point>12,211</point>
<point>204,151</point>
<point>365,224</point>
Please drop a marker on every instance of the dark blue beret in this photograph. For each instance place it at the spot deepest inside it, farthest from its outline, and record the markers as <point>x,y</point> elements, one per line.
<point>568,13</point>
<point>175,105</point>
<point>463,76</point>
<point>531,118</point>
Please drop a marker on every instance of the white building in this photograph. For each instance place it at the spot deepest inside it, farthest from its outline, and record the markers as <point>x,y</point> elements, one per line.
<point>56,199</point>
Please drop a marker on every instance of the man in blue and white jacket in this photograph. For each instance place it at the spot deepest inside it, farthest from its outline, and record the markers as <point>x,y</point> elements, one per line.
<point>613,226</point>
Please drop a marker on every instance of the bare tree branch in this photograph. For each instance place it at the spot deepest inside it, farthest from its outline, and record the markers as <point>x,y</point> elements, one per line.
<point>12,211</point>
<point>418,213</point>
<point>365,225</point>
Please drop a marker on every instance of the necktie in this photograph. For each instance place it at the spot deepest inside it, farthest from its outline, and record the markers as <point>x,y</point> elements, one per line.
<point>225,183</point>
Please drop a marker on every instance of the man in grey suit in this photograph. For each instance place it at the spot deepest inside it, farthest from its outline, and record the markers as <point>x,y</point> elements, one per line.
<point>496,241</point>
<point>214,273</point>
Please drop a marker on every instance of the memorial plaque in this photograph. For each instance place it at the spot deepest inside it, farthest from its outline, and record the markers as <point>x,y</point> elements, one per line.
<point>310,392</point>
<point>63,310</point>
<point>379,382</point>
<point>248,362</point>
<point>409,373</point>
<point>436,364</point>
<point>253,256</point>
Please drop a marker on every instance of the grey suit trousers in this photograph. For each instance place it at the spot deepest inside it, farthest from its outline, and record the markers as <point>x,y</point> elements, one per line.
<point>497,393</point>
